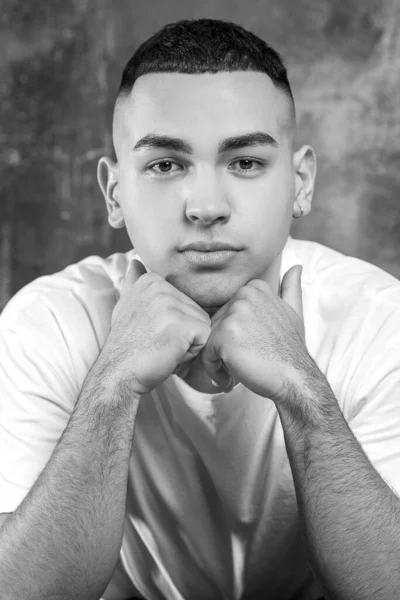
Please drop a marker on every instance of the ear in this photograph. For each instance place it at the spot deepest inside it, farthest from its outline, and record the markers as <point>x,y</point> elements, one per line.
<point>107,176</point>
<point>305,168</point>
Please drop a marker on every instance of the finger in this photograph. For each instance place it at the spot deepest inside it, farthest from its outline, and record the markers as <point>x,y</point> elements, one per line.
<point>183,369</point>
<point>215,367</point>
<point>137,269</point>
<point>185,365</point>
<point>199,341</point>
<point>193,310</point>
<point>216,318</point>
<point>291,289</point>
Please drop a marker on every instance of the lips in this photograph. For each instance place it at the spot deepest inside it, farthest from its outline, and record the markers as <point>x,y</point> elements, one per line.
<point>201,246</point>
<point>213,258</point>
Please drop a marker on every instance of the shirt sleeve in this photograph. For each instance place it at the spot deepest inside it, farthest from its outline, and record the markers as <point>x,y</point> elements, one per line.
<point>375,390</point>
<point>41,374</point>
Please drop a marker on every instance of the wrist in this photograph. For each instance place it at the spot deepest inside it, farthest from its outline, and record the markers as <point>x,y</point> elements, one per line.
<point>105,387</point>
<point>309,403</point>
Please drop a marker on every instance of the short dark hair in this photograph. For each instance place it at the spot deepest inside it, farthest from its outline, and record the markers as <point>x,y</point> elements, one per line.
<point>204,46</point>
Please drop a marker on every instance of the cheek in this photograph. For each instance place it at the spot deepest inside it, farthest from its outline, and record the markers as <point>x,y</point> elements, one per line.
<point>147,231</point>
<point>282,184</point>
<point>269,219</point>
<point>273,198</point>
<point>137,203</point>
<point>153,212</point>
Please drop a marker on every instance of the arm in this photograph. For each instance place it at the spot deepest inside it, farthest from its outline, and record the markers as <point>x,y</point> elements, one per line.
<point>350,517</point>
<point>64,539</point>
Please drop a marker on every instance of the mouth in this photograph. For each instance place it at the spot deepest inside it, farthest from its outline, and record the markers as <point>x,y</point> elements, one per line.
<point>213,258</point>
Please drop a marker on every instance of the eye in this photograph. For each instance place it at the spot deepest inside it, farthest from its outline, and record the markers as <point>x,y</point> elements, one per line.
<point>164,166</point>
<point>246,161</point>
<point>162,163</point>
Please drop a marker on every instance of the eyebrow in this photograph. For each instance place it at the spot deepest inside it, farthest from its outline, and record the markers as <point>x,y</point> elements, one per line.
<point>156,141</point>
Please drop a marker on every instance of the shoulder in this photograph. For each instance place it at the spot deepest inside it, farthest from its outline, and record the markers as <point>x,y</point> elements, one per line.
<point>68,313</point>
<point>343,289</point>
<point>326,266</point>
<point>352,321</point>
<point>92,283</point>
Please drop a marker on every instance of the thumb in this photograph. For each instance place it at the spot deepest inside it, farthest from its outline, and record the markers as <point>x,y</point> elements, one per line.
<point>135,271</point>
<point>291,289</point>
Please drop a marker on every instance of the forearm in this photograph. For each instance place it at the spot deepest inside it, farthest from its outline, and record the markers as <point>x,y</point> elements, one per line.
<point>64,538</point>
<point>350,517</point>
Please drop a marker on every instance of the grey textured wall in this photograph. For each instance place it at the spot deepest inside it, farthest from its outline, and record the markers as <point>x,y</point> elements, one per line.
<point>60,66</point>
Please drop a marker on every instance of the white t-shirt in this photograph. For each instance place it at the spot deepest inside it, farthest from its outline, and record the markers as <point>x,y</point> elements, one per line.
<point>211,509</point>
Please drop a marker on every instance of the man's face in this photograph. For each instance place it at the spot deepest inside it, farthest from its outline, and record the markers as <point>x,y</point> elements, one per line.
<point>243,196</point>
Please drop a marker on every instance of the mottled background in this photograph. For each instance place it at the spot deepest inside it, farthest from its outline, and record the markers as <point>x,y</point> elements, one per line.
<point>60,67</point>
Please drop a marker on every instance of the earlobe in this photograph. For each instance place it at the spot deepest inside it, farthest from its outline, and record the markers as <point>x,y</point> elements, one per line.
<point>107,176</point>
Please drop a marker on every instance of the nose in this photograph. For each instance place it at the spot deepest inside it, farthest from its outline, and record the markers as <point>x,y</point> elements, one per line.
<point>207,202</point>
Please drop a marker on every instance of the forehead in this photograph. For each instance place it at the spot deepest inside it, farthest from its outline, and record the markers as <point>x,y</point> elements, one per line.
<point>212,105</point>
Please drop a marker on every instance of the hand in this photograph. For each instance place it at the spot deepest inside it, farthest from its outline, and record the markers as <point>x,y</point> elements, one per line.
<point>155,329</point>
<point>258,339</point>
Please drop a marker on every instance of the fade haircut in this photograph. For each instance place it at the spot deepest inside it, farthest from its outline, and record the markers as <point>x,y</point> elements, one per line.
<point>204,46</point>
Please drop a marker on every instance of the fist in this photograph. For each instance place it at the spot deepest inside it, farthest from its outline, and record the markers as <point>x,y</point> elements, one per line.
<point>156,330</point>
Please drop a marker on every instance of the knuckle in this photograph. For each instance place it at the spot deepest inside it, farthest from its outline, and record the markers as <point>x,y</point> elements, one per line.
<point>230,326</point>
<point>163,301</point>
<point>243,292</point>
<point>242,305</point>
<point>258,284</point>
<point>145,280</point>
<point>154,282</point>
<point>168,318</point>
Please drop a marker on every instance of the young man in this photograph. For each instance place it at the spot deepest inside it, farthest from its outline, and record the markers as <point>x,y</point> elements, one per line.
<point>192,423</point>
